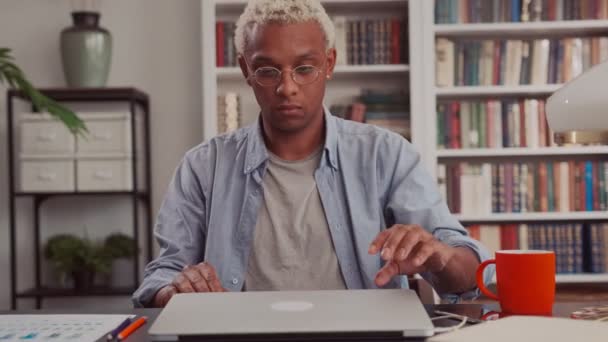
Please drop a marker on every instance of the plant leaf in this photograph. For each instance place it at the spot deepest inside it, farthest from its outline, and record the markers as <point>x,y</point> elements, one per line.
<point>14,76</point>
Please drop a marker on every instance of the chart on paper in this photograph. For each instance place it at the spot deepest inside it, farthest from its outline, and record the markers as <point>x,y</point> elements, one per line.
<point>57,328</point>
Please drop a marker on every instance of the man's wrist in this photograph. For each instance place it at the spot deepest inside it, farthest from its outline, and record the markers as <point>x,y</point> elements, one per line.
<point>458,273</point>
<point>160,299</point>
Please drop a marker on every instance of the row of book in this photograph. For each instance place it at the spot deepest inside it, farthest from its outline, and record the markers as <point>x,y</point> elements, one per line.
<point>225,50</point>
<point>488,11</point>
<point>555,186</point>
<point>516,62</point>
<point>371,41</point>
<point>493,124</point>
<point>357,42</point>
<point>228,117</point>
<point>387,109</point>
<point>579,248</point>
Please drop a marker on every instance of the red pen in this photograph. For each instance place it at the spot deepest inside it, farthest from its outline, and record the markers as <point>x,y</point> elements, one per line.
<point>132,327</point>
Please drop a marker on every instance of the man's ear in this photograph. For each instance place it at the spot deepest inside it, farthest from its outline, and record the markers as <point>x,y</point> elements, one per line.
<point>330,62</point>
<point>244,68</point>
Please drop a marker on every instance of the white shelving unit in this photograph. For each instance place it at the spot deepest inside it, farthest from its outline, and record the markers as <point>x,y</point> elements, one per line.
<point>576,278</point>
<point>522,151</point>
<point>543,27</point>
<point>433,94</point>
<point>533,217</point>
<point>582,278</point>
<point>532,90</point>
<point>347,81</point>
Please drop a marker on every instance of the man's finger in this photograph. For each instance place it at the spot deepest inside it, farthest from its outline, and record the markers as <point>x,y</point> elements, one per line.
<point>182,284</point>
<point>210,275</point>
<point>199,283</point>
<point>407,244</point>
<point>423,253</point>
<point>386,273</point>
<point>391,244</point>
<point>378,242</point>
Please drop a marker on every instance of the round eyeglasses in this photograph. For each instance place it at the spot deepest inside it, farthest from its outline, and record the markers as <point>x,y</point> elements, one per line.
<point>271,76</point>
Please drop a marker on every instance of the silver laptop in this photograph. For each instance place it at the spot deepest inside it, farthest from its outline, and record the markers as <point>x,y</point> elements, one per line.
<point>293,315</point>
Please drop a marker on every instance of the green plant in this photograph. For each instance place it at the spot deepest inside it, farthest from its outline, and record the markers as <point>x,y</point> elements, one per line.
<point>70,254</point>
<point>11,74</point>
<point>119,245</point>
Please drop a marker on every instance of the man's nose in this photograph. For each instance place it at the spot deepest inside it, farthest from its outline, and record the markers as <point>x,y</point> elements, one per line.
<point>287,86</point>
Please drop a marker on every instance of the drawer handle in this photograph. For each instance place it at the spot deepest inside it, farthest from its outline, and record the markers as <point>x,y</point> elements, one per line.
<point>103,175</point>
<point>47,176</point>
<point>102,136</point>
<point>45,137</point>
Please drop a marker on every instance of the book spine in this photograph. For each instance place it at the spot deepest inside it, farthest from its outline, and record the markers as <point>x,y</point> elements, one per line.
<point>219,44</point>
<point>588,186</point>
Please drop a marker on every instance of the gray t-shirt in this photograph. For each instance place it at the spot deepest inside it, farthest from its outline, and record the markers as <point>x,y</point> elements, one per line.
<point>292,246</point>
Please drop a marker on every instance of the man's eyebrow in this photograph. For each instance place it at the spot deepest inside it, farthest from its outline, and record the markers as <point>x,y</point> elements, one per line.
<point>308,55</point>
<point>262,59</point>
<point>265,59</point>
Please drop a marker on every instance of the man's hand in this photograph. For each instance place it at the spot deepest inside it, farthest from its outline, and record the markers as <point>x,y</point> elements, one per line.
<point>407,250</point>
<point>197,278</point>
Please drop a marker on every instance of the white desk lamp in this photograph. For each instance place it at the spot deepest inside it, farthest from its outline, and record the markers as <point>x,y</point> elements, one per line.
<point>578,111</point>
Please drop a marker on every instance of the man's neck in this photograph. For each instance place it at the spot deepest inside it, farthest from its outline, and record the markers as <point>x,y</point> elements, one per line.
<point>295,145</point>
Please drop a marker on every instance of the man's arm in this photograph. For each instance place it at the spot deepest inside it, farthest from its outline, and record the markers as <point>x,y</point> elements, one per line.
<point>180,231</point>
<point>418,219</point>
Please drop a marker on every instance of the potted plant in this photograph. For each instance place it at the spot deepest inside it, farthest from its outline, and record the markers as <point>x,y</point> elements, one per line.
<point>79,258</point>
<point>11,75</point>
<point>122,249</point>
<point>119,245</point>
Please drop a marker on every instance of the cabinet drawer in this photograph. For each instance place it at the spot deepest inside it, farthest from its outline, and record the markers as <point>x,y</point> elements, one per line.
<point>108,133</point>
<point>104,175</point>
<point>50,175</point>
<point>45,136</point>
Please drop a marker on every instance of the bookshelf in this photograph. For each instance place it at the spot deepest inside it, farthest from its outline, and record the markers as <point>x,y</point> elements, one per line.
<point>434,95</point>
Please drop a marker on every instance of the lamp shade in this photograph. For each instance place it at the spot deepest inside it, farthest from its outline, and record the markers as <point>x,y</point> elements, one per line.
<point>578,111</point>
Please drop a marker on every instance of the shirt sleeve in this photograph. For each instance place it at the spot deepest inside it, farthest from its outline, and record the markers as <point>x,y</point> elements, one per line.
<point>180,233</point>
<point>414,198</point>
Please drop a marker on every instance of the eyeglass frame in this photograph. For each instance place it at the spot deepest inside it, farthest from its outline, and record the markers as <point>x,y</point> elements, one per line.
<point>280,76</point>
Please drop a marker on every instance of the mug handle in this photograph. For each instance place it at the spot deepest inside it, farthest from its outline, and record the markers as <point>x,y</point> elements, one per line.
<point>480,282</point>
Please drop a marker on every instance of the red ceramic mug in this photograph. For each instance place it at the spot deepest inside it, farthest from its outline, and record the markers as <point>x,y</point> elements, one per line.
<point>525,281</point>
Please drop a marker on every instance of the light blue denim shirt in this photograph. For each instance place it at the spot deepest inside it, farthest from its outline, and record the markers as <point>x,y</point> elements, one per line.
<point>368,180</point>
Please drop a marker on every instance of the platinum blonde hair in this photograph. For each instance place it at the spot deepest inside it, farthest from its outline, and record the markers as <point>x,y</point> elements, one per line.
<point>284,12</point>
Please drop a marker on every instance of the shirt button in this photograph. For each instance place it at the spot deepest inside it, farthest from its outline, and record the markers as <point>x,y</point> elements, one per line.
<point>248,167</point>
<point>338,227</point>
<point>235,281</point>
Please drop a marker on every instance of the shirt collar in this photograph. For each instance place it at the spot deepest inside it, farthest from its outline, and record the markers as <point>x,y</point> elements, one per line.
<point>256,148</point>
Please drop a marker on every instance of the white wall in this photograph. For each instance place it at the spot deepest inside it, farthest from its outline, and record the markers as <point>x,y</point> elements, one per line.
<point>157,49</point>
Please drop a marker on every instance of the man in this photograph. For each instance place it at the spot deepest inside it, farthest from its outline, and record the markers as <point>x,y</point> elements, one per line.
<point>302,199</point>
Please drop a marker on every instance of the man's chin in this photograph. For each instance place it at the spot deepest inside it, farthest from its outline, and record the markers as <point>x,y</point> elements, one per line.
<point>290,124</point>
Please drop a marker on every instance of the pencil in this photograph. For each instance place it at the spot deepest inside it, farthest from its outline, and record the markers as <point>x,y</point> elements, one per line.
<point>132,327</point>
<point>112,335</point>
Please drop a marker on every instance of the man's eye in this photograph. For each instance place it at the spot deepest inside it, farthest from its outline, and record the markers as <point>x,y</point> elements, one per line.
<point>305,69</point>
<point>267,72</point>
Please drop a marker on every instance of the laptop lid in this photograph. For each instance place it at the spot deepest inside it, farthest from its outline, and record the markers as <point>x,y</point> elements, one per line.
<point>396,313</point>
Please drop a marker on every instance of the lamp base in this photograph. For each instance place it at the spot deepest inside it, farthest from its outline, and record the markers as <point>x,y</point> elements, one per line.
<point>582,138</point>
